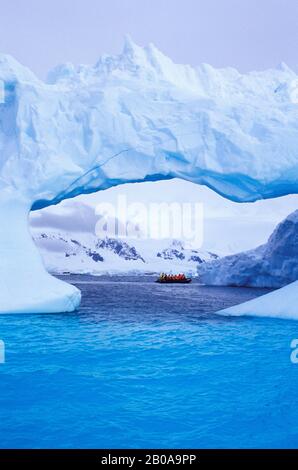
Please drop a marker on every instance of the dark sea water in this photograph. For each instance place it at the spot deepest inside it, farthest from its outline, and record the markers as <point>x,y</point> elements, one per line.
<point>148,365</point>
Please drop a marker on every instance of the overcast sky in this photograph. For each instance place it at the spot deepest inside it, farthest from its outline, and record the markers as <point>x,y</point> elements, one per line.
<point>247,34</point>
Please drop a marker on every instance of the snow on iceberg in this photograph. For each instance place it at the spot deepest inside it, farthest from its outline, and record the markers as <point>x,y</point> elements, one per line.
<point>25,284</point>
<point>274,264</point>
<point>130,118</point>
<point>281,303</point>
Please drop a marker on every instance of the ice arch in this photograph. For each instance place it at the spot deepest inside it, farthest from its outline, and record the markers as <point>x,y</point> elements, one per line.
<point>131,118</point>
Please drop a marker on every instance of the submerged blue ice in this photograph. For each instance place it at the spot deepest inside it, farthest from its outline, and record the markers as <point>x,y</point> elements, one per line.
<point>131,118</point>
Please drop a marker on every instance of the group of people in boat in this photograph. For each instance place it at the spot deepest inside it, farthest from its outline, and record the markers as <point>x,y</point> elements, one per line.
<point>172,277</point>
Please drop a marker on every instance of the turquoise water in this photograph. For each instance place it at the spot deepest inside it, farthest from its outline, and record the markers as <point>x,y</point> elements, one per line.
<point>148,365</point>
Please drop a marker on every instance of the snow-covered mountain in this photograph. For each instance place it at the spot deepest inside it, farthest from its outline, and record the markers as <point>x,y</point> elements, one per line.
<point>273,264</point>
<point>67,242</point>
<point>64,252</point>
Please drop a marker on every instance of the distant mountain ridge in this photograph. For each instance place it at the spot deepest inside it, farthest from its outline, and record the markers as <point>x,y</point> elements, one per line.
<point>85,253</point>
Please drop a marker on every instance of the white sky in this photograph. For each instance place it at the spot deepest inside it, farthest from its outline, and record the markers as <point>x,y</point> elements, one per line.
<point>228,227</point>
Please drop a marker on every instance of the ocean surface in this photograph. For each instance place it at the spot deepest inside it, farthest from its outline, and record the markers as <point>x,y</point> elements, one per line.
<point>148,365</point>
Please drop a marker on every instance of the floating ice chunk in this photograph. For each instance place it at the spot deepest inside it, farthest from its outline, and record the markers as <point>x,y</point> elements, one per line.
<point>281,303</point>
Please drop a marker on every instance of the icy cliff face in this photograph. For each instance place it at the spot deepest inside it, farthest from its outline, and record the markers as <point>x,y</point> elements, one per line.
<point>274,264</point>
<point>138,117</point>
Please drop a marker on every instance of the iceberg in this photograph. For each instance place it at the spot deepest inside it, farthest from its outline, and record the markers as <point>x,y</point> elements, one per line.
<point>273,264</point>
<point>132,117</point>
<point>281,303</point>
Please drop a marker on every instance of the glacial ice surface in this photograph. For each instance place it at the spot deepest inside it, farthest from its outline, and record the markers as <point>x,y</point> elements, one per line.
<point>273,264</point>
<point>133,117</point>
<point>281,303</point>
